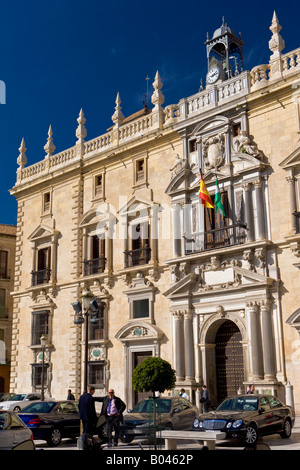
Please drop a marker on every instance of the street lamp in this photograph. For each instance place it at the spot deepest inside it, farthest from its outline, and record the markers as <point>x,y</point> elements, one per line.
<point>43,341</point>
<point>89,305</point>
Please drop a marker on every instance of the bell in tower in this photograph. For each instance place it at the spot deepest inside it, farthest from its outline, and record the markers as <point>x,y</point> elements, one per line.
<point>224,54</point>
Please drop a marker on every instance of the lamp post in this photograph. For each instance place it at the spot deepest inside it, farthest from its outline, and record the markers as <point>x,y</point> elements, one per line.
<point>43,341</point>
<point>89,305</point>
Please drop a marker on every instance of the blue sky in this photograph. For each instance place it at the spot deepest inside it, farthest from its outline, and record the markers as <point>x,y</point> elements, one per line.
<point>60,56</point>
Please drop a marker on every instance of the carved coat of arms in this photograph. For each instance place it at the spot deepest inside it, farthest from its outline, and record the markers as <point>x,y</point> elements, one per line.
<point>213,151</point>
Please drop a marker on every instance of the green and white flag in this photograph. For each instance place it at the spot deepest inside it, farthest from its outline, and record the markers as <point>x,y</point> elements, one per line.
<point>219,208</point>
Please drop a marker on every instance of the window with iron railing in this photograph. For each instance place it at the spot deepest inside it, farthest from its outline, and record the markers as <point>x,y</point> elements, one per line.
<point>140,252</point>
<point>297,222</point>
<point>217,231</point>
<point>96,263</point>
<point>43,272</point>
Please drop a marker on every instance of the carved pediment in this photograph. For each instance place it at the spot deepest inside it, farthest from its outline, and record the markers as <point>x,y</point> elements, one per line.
<point>41,232</point>
<point>226,275</point>
<point>136,330</point>
<point>135,205</point>
<point>96,215</point>
<point>294,320</point>
<point>292,161</point>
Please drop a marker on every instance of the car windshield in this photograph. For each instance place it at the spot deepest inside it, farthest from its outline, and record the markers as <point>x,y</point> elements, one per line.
<point>18,397</point>
<point>41,407</point>
<point>146,406</point>
<point>239,404</point>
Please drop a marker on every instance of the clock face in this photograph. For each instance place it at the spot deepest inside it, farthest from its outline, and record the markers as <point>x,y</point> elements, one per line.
<point>213,75</point>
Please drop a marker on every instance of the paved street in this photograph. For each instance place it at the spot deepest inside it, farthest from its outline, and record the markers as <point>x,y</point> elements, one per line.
<point>275,442</point>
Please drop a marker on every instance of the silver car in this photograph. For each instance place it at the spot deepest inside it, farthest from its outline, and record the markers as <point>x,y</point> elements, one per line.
<point>18,401</point>
<point>14,434</point>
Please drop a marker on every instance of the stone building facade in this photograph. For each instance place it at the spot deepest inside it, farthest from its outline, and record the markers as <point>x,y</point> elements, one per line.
<point>7,268</point>
<point>120,216</point>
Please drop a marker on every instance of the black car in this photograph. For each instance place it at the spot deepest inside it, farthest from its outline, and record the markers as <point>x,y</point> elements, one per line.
<point>247,417</point>
<point>52,420</point>
<point>171,413</point>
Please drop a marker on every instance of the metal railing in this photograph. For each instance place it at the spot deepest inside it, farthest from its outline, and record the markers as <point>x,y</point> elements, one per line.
<point>137,257</point>
<point>217,238</point>
<point>40,277</point>
<point>94,266</point>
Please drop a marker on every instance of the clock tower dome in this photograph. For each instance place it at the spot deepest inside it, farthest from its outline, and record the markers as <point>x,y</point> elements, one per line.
<point>224,54</point>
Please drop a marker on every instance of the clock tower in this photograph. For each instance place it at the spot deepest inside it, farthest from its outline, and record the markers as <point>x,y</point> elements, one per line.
<point>224,54</point>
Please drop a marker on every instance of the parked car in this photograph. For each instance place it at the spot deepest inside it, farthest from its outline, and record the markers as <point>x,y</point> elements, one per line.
<point>247,417</point>
<point>14,434</point>
<point>5,396</point>
<point>51,421</point>
<point>171,413</point>
<point>19,401</point>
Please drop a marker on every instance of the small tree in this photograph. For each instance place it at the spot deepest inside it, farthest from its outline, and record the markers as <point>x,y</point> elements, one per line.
<point>153,375</point>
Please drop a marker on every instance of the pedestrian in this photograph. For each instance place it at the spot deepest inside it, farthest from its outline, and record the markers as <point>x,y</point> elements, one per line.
<point>205,399</point>
<point>70,395</point>
<point>87,414</point>
<point>251,389</point>
<point>113,408</point>
<point>183,394</point>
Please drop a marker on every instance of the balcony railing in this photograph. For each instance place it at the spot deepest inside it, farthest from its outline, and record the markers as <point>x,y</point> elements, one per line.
<point>137,257</point>
<point>211,239</point>
<point>40,277</point>
<point>94,266</point>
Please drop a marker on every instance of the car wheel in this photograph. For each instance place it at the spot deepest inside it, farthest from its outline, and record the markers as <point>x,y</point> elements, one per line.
<point>168,427</point>
<point>102,431</point>
<point>287,429</point>
<point>55,438</point>
<point>17,409</point>
<point>126,439</point>
<point>251,435</point>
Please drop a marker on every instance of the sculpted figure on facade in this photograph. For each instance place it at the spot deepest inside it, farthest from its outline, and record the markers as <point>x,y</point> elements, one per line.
<point>178,166</point>
<point>241,144</point>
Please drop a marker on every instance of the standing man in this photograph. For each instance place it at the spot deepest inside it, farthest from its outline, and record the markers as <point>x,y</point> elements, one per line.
<point>113,408</point>
<point>205,399</point>
<point>70,395</point>
<point>87,411</point>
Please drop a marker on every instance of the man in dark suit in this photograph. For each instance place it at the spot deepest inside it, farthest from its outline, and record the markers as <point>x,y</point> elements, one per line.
<point>87,411</point>
<point>112,408</point>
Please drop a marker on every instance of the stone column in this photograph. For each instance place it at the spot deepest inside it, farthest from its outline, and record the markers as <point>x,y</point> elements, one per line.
<point>256,351</point>
<point>261,231</point>
<point>178,346</point>
<point>249,212</point>
<point>189,345</point>
<point>267,341</point>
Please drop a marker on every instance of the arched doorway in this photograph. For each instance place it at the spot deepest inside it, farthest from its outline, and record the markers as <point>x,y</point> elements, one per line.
<point>229,360</point>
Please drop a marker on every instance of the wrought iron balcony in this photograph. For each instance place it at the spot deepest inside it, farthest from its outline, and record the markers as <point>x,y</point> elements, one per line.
<point>40,277</point>
<point>211,239</point>
<point>94,266</point>
<point>137,257</point>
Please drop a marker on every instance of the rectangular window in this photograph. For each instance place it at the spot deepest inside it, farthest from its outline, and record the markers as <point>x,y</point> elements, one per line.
<point>3,264</point>
<point>140,245</point>
<point>37,375</point>
<point>193,146</point>
<point>140,308</point>
<point>46,202</point>
<point>3,309</point>
<point>42,274</point>
<point>216,234</point>
<point>98,185</point>
<point>96,373</point>
<point>96,264</point>
<point>140,170</point>
<point>97,323</point>
<point>40,326</point>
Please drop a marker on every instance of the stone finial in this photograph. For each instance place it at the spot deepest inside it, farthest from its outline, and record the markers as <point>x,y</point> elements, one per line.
<point>276,43</point>
<point>81,132</point>
<point>49,147</point>
<point>22,159</point>
<point>118,116</point>
<point>157,97</point>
